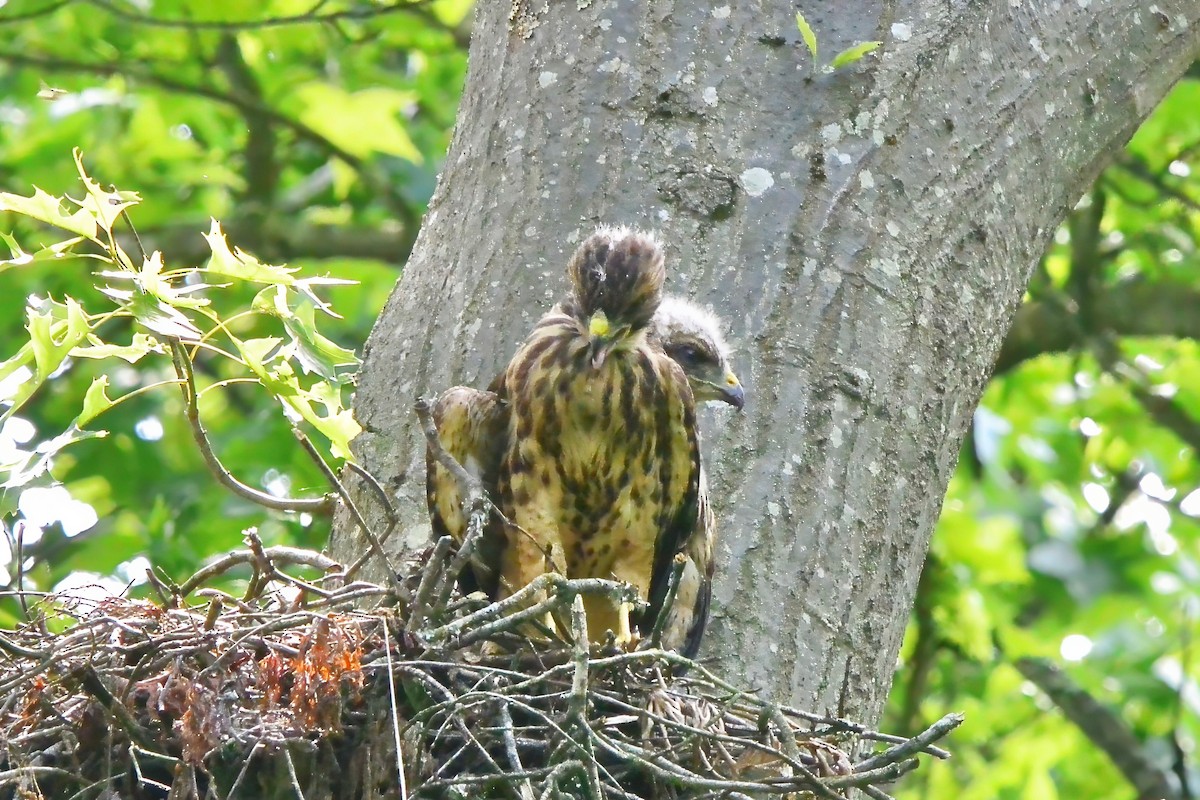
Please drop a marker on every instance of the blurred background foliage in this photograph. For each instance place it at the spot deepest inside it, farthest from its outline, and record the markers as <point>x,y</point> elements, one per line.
<point>1061,599</point>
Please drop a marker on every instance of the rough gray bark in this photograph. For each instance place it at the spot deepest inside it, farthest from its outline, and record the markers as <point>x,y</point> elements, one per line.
<point>867,233</point>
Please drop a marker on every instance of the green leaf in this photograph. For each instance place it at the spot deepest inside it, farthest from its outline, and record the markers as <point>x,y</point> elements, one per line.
<point>156,315</point>
<point>23,358</point>
<point>852,54</point>
<point>268,361</point>
<point>240,264</point>
<point>59,252</point>
<point>451,12</point>
<point>54,330</point>
<point>315,352</point>
<point>95,402</point>
<point>361,123</point>
<point>151,281</point>
<point>105,207</point>
<point>964,618</point>
<point>19,257</point>
<point>809,36</point>
<point>32,464</point>
<point>255,353</point>
<point>337,423</point>
<point>1040,786</point>
<point>47,208</point>
<point>98,348</point>
<point>153,303</point>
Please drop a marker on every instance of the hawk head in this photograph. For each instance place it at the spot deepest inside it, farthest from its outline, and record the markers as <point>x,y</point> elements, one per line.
<point>692,337</point>
<point>617,278</point>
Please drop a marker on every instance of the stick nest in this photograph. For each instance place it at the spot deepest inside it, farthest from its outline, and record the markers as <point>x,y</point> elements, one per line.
<point>291,691</point>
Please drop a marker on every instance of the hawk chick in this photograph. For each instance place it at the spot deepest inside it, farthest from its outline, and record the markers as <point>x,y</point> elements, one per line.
<point>602,473</point>
<point>473,428</point>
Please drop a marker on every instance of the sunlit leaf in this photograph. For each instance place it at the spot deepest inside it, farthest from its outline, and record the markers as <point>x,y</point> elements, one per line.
<point>50,209</point>
<point>32,464</point>
<point>808,35</point>
<point>105,206</point>
<point>361,123</point>
<point>1040,786</point>
<point>315,352</point>
<point>451,12</point>
<point>256,352</point>
<point>964,619</point>
<point>158,316</point>
<point>97,348</point>
<point>61,252</point>
<point>852,54</point>
<point>95,402</point>
<point>335,423</point>
<point>50,93</point>
<point>151,281</point>
<point>54,329</point>
<point>240,264</point>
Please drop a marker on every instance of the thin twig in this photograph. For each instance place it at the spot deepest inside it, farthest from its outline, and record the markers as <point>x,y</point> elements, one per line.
<point>183,368</point>
<point>280,553</point>
<point>430,578</point>
<point>510,749</point>
<point>501,611</point>
<point>389,512</point>
<point>546,721</point>
<point>376,544</point>
<point>911,747</point>
<point>577,702</point>
<point>885,774</point>
<point>466,549</point>
<point>377,489</point>
<point>391,679</point>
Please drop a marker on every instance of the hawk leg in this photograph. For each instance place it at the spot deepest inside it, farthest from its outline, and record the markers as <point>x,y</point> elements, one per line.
<point>528,557</point>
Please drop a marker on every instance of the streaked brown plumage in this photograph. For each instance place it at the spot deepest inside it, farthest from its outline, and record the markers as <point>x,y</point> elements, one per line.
<point>472,423</point>
<point>602,473</point>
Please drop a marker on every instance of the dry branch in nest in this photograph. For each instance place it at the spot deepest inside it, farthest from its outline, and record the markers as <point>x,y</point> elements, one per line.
<point>290,691</point>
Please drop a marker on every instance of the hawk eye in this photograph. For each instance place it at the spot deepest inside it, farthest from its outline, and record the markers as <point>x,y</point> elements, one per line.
<point>686,354</point>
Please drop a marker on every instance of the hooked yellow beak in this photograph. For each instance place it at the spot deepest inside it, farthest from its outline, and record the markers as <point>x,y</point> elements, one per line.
<point>732,392</point>
<point>598,325</point>
<point>600,331</point>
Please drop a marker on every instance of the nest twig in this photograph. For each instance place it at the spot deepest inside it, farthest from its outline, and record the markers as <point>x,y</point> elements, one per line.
<point>203,699</point>
<point>431,695</point>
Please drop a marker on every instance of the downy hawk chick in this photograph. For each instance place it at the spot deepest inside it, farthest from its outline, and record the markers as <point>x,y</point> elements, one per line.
<point>603,323</point>
<point>473,427</point>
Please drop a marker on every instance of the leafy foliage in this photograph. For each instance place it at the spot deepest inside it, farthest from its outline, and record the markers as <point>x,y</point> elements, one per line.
<point>211,111</point>
<point>173,313</point>
<point>1070,529</point>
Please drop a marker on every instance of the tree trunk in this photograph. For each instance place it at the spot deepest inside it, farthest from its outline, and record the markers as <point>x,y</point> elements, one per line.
<point>867,233</point>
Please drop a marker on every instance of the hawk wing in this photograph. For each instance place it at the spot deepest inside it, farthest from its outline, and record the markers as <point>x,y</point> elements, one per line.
<point>689,532</point>
<point>473,428</point>
<point>688,615</point>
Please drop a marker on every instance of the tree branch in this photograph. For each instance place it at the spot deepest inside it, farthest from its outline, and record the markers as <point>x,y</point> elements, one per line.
<point>183,368</point>
<point>1130,308</point>
<point>259,161</point>
<point>1102,727</point>
<point>359,13</point>
<point>283,241</point>
<point>135,71</point>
